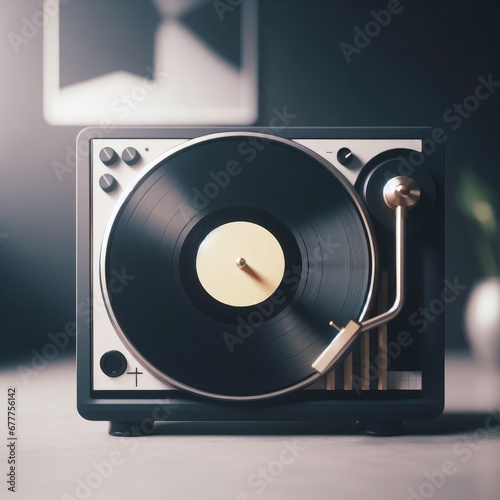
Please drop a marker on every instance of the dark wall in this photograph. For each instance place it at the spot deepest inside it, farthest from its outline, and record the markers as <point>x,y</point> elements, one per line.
<point>428,58</point>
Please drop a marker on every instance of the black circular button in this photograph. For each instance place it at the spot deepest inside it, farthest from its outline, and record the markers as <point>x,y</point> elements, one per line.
<point>107,183</point>
<point>130,156</point>
<point>113,363</point>
<point>345,156</point>
<point>108,156</point>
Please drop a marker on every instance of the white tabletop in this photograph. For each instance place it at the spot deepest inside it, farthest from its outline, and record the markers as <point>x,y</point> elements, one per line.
<point>58,451</point>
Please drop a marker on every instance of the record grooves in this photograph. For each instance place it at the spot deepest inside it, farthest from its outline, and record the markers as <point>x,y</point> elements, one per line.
<point>181,332</point>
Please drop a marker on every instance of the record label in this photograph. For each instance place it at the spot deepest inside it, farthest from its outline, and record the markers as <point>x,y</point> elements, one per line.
<point>240,264</point>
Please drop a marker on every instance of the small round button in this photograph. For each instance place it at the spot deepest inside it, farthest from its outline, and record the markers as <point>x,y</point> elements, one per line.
<point>108,156</point>
<point>113,363</point>
<point>344,156</point>
<point>130,156</point>
<point>107,182</point>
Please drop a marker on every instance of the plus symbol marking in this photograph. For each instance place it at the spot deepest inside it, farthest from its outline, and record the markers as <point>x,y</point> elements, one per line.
<point>136,373</point>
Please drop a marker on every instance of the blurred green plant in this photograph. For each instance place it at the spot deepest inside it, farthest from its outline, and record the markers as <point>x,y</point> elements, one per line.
<point>480,204</point>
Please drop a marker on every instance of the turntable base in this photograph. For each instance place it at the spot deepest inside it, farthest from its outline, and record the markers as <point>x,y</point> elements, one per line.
<point>371,428</point>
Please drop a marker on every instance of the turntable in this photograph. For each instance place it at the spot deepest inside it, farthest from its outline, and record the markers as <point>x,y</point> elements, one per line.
<point>248,274</point>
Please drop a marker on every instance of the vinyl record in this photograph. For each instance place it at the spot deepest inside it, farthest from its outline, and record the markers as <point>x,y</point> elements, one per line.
<point>239,248</point>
